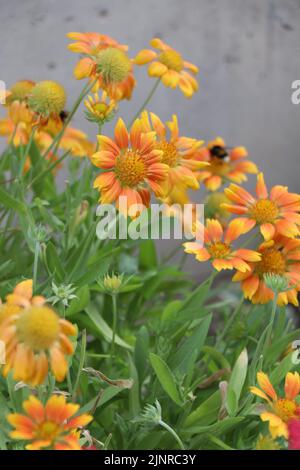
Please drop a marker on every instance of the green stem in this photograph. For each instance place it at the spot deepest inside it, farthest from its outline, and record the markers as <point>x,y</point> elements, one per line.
<point>272,319</point>
<point>114,328</point>
<point>81,364</point>
<point>173,433</point>
<point>230,321</point>
<point>26,151</point>
<point>49,168</point>
<point>35,264</point>
<point>147,100</point>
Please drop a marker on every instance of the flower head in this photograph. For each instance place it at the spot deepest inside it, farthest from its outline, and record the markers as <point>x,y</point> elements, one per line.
<point>218,246</point>
<point>277,210</point>
<point>99,110</point>
<point>225,164</point>
<point>178,153</point>
<point>279,257</point>
<point>280,410</point>
<point>132,165</point>
<point>47,98</point>
<point>106,61</point>
<point>169,66</point>
<point>34,336</point>
<point>20,91</point>
<point>112,284</point>
<point>18,123</point>
<point>213,207</point>
<point>49,427</point>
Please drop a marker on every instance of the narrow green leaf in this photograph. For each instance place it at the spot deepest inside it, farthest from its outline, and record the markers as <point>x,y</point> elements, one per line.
<point>165,377</point>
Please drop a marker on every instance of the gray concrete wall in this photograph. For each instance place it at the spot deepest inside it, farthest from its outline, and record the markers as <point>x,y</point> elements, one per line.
<point>248,52</point>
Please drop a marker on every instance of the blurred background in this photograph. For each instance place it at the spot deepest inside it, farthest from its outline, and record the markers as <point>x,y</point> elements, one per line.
<point>248,53</point>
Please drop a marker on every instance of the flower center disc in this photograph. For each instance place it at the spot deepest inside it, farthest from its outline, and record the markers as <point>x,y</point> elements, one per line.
<point>48,431</point>
<point>170,154</point>
<point>284,408</point>
<point>171,59</point>
<point>264,211</point>
<point>219,250</point>
<point>113,64</point>
<point>38,327</point>
<point>130,168</point>
<point>272,262</point>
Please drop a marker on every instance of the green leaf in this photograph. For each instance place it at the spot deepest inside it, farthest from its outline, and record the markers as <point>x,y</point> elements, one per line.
<point>79,304</point>
<point>104,330</point>
<point>11,203</point>
<point>54,263</point>
<point>186,355</point>
<point>165,377</point>
<point>206,413</point>
<point>141,352</point>
<point>285,366</point>
<point>236,382</point>
<point>147,257</point>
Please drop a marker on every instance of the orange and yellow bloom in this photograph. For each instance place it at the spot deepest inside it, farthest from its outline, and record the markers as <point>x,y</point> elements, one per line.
<point>169,66</point>
<point>178,153</point>
<point>218,246</point>
<point>274,211</point>
<point>280,257</point>
<point>226,164</point>
<point>280,410</point>
<point>34,337</point>
<point>106,62</point>
<point>50,427</point>
<point>132,166</point>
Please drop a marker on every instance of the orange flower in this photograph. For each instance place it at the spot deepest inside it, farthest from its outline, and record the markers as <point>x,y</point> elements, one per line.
<point>17,125</point>
<point>169,66</point>
<point>49,427</point>
<point>218,246</point>
<point>178,154</point>
<point>280,257</point>
<point>132,164</point>
<point>34,335</point>
<point>106,59</point>
<point>225,164</point>
<point>280,410</point>
<point>274,211</point>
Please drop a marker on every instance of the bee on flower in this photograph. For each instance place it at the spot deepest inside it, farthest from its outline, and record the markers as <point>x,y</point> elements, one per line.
<point>169,66</point>
<point>279,257</point>
<point>226,164</point>
<point>279,410</point>
<point>217,246</point>
<point>104,62</point>
<point>274,211</point>
<point>50,427</point>
<point>35,337</point>
<point>132,166</point>
<point>178,152</point>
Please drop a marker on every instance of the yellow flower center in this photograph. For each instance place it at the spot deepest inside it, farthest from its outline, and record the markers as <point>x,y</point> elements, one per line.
<point>170,154</point>
<point>264,211</point>
<point>285,408</point>
<point>48,431</point>
<point>113,64</point>
<point>38,327</point>
<point>100,108</point>
<point>47,98</point>
<point>171,59</point>
<point>272,262</point>
<point>219,250</point>
<point>130,168</point>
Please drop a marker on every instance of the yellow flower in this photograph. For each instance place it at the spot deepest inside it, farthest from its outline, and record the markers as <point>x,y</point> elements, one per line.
<point>280,410</point>
<point>47,98</point>
<point>169,66</point>
<point>34,336</point>
<point>17,125</point>
<point>99,110</point>
<point>49,427</point>
<point>266,443</point>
